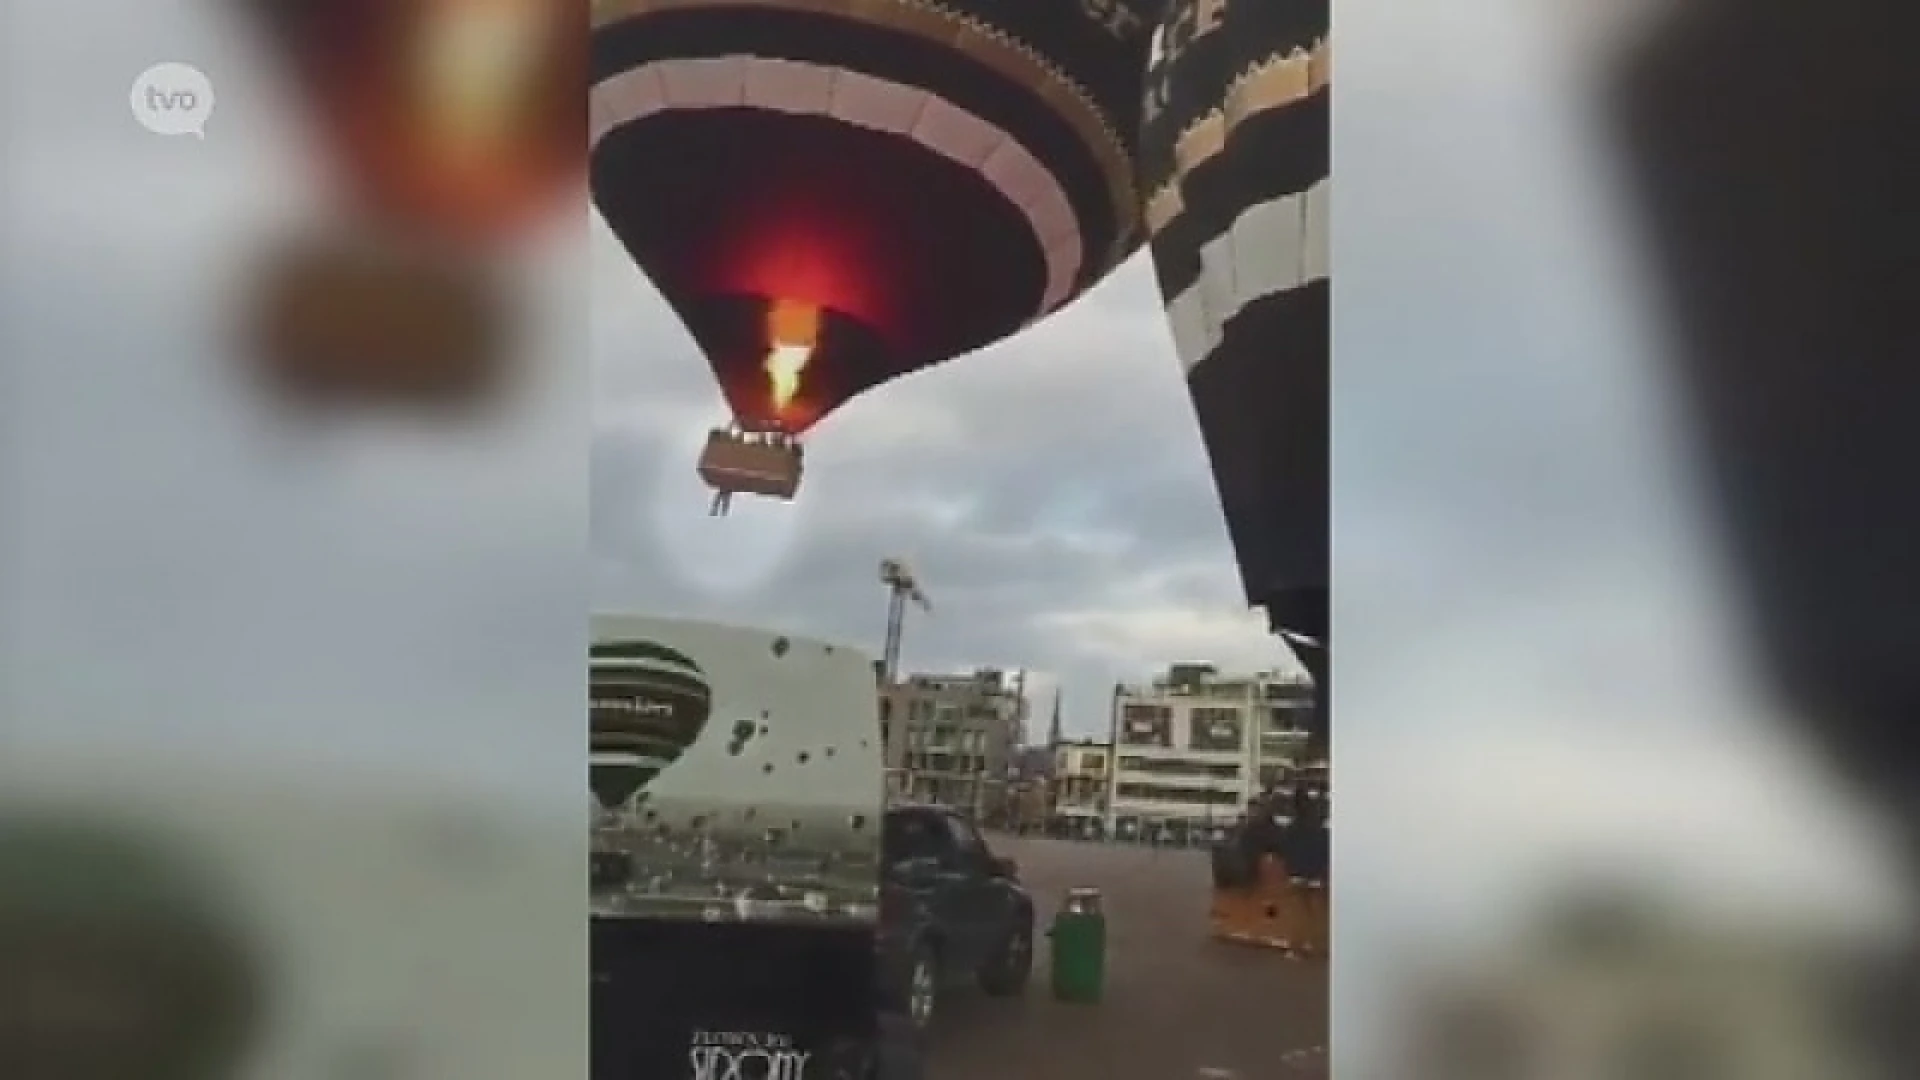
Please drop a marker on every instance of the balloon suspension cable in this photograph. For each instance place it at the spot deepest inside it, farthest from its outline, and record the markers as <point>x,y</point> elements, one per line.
<point>1305,641</point>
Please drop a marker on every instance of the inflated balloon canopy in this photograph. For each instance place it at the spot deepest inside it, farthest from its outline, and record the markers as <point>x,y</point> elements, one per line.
<point>648,704</point>
<point>455,119</point>
<point>1234,159</point>
<point>832,193</point>
<point>450,129</point>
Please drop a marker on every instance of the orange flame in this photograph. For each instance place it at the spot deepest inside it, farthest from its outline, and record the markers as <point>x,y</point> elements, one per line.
<point>793,328</point>
<point>476,62</point>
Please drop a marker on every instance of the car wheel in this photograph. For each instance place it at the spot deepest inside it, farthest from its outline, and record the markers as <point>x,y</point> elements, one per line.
<point>922,991</point>
<point>1009,971</point>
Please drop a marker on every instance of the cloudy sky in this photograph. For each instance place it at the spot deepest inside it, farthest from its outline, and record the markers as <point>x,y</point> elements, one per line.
<point>1051,493</point>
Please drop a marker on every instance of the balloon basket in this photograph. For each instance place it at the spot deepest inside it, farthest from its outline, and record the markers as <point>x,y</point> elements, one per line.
<point>355,321</point>
<point>757,463</point>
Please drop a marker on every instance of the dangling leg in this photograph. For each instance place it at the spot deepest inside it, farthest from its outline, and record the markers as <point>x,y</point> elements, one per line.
<point>722,502</point>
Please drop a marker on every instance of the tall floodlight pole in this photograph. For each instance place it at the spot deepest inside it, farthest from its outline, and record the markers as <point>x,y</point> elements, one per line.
<point>1020,708</point>
<point>902,587</point>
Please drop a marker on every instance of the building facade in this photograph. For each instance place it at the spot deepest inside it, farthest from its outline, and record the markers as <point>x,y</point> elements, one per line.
<point>1193,747</point>
<point>1030,792</point>
<point>1082,779</point>
<point>953,739</point>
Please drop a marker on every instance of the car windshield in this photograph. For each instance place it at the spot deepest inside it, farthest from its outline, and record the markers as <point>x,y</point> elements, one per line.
<point>910,836</point>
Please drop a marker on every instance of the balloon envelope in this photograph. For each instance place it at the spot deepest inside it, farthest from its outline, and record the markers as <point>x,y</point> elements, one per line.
<point>1234,161</point>
<point>453,119</point>
<point>856,190</point>
<point>647,705</point>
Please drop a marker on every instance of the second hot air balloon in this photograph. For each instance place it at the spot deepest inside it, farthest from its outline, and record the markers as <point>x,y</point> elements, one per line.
<point>832,193</point>
<point>1235,158</point>
<point>647,705</point>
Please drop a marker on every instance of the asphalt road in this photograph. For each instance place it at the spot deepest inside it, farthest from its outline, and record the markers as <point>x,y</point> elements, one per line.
<point>1179,1005</point>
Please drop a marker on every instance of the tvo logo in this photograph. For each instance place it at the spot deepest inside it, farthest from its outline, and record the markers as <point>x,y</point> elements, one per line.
<point>173,99</point>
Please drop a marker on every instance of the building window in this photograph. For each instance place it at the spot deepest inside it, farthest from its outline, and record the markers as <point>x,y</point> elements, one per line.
<point>1147,725</point>
<point>1163,793</point>
<point>1214,728</point>
<point>1283,731</point>
<point>1180,767</point>
<point>1287,719</point>
<point>1298,693</point>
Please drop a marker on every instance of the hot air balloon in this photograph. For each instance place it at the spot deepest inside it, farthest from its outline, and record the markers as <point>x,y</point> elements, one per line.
<point>1769,226</point>
<point>647,705</point>
<point>449,118</point>
<point>833,193</point>
<point>1234,159</point>
<point>451,129</point>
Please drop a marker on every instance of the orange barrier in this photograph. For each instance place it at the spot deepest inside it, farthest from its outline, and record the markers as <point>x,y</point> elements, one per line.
<point>1276,913</point>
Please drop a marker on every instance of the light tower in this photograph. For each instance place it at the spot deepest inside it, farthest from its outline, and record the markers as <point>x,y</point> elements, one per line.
<point>902,586</point>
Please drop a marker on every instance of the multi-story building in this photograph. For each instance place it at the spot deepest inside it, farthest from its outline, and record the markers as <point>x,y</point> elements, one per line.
<point>1029,791</point>
<point>952,739</point>
<point>1193,747</point>
<point>1082,775</point>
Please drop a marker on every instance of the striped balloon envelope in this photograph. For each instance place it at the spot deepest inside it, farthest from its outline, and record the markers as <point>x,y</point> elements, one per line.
<point>832,193</point>
<point>1234,160</point>
<point>647,704</point>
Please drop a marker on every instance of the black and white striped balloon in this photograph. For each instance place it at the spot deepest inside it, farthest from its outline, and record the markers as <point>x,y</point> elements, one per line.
<point>1234,160</point>
<point>647,705</point>
<point>921,177</point>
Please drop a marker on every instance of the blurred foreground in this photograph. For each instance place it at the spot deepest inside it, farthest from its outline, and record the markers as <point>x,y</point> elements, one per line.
<point>1614,806</point>
<point>291,752</point>
<point>199,923</point>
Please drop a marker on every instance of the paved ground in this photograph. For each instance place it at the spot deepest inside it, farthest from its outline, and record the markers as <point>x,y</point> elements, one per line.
<point>1179,1006</point>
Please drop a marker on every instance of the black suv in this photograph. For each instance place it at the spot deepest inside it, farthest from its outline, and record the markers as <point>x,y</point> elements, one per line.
<point>952,913</point>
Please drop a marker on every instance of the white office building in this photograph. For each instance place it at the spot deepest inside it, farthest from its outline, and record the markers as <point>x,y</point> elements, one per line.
<point>953,739</point>
<point>1191,748</point>
<point>1082,782</point>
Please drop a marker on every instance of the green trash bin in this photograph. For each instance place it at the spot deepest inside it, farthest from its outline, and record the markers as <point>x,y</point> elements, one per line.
<point>1079,948</point>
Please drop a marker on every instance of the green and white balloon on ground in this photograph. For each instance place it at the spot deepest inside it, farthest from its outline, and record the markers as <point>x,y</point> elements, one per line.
<point>647,705</point>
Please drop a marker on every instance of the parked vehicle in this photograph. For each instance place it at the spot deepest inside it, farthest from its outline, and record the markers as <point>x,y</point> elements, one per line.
<point>736,859</point>
<point>953,915</point>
